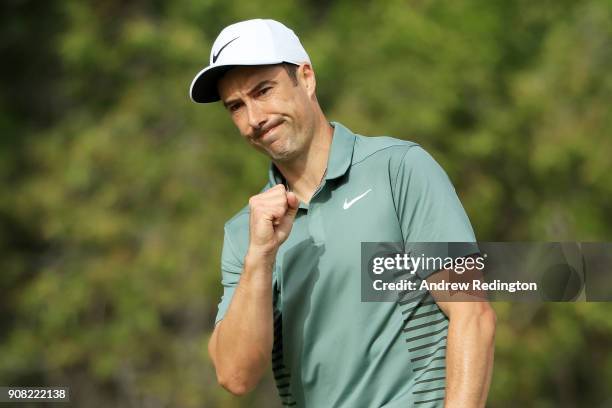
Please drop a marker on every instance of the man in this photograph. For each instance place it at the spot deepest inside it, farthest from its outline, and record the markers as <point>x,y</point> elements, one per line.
<point>291,258</point>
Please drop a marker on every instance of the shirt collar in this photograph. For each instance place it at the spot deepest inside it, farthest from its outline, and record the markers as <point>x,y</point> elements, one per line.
<point>339,160</point>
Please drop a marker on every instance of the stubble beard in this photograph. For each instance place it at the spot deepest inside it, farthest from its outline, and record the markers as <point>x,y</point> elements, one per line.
<point>286,149</point>
<point>287,153</point>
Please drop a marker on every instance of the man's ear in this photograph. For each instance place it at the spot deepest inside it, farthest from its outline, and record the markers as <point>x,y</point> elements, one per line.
<point>306,76</point>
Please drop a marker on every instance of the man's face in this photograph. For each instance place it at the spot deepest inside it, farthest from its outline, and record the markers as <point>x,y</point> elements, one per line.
<point>273,112</point>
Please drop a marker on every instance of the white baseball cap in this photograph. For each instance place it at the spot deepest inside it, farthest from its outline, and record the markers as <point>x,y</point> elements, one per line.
<point>250,42</point>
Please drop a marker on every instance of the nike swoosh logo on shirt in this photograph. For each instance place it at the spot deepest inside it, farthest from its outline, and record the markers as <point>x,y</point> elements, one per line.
<point>215,56</point>
<point>348,204</point>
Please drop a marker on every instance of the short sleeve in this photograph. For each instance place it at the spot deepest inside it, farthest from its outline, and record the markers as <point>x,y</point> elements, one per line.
<point>231,269</point>
<point>428,208</point>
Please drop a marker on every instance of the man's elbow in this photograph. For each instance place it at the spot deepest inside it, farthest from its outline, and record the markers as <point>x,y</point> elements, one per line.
<point>479,316</point>
<point>230,377</point>
<point>235,384</point>
<point>237,374</point>
<point>487,319</point>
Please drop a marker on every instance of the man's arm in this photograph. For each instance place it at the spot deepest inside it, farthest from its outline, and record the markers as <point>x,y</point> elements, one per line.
<point>470,345</point>
<point>241,344</point>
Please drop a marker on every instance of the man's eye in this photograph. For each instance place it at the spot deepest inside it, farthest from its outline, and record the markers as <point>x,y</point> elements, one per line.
<point>264,91</point>
<point>234,107</point>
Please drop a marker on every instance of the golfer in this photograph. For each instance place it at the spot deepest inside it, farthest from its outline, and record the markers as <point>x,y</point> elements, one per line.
<point>291,259</point>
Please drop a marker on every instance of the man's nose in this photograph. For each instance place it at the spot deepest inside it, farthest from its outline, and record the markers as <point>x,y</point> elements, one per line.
<point>257,117</point>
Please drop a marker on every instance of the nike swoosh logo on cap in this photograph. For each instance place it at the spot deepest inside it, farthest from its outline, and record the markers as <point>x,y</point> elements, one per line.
<point>347,204</point>
<point>215,56</point>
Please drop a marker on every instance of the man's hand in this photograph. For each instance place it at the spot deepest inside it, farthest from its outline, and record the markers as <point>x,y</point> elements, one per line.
<point>272,215</point>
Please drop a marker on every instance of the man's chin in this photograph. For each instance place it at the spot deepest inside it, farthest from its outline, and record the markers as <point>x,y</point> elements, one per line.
<point>279,150</point>
<point>280,155</point>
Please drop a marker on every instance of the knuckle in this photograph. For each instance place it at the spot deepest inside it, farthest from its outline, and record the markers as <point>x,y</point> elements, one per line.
<point>277,189</point>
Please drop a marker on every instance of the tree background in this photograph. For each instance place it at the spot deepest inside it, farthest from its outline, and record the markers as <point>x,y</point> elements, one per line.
<point>114,187</point>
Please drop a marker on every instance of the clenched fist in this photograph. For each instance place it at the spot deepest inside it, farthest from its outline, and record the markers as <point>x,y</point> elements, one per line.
<point>271,219</point>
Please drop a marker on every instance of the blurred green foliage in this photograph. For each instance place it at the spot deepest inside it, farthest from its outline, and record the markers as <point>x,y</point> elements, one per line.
<point>114,187</point>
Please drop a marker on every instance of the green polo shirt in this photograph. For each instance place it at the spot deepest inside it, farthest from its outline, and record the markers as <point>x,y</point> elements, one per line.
<point>330,348</point>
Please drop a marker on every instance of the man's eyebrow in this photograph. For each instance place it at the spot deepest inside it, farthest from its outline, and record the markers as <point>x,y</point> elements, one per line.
<point>254,89</point>
<point>260,85</point>
<point>229,102</point>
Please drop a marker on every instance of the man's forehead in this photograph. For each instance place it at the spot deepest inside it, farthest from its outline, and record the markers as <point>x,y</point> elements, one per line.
<point>243,78</point>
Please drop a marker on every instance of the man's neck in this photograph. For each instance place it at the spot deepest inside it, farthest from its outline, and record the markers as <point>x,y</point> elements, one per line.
<point>306,172</point>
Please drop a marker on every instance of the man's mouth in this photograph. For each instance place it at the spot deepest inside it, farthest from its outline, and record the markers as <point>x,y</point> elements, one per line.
<point>268,130</point>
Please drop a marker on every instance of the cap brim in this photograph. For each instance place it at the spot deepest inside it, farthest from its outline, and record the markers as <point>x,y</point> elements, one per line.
<point>204,85</point>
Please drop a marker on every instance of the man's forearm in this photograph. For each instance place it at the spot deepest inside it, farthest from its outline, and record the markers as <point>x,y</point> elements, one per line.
<point>469,356</point>
<point>243,345</point>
